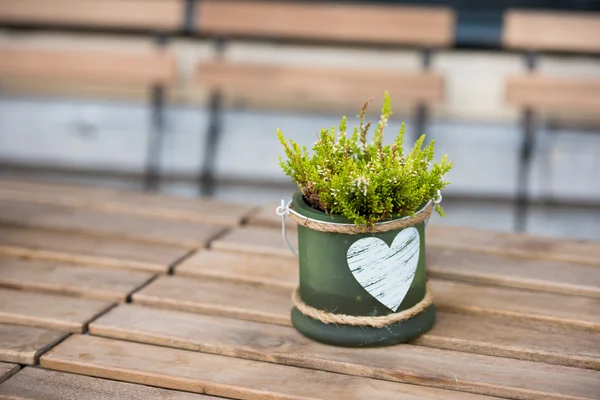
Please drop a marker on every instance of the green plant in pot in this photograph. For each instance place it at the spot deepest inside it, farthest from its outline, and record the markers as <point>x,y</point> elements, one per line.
<point>361,210</point>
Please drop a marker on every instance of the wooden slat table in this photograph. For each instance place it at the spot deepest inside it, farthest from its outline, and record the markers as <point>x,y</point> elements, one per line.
<point>132,311</point>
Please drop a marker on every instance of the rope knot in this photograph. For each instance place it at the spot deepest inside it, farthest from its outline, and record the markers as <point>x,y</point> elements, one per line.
<point>283,209</point>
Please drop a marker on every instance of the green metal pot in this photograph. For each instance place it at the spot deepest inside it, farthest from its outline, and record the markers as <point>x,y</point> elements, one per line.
<point>330,270</point>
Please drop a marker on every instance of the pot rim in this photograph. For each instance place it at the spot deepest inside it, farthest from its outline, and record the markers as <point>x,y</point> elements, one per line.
<point>306,212</point>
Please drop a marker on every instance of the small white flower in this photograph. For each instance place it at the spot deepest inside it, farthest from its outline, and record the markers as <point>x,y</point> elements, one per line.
<point>362,184</point>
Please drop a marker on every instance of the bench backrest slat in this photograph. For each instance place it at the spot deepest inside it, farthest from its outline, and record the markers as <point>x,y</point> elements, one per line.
<point>123,14</point>
<point>552,31</point>
<point>352,23</point>
<point>554,93</point>
<point>89,67</point>
<point>324,84</point>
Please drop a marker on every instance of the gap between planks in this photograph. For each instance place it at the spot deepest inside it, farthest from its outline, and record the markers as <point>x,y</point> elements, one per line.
<point>24,344</point>
<point>7,370</point>
<point>50,311</point>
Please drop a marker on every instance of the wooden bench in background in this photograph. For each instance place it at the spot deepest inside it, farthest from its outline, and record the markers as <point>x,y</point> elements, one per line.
<point>534,32</point>
<point>153,71</point>
<point>325,22</point>
<point>425,28</point>
<point>147,15</point>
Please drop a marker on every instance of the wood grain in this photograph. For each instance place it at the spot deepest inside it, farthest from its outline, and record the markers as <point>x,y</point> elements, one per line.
<point>559,31</point>
<point>404,363</point>
<point>48,310</point>
<point>328,84</point>
<point>7,370</point>
<point>42,384</point>
<point>511,271</point>
<point>118,226</point>
<point>123,14</point>
<point>143,69</point>
<point>580,95</point>
<point>539,247</point>
<point>126,201</point>
<point>280,271</point>
<point>250,301</point>
<point>424,26</point>
<point>24,344</point>
<point>553,308</point>
<point>52,277</point>
<point>487,335</point>
<point>255,240</point>
<point>69,247</point>
<point>200,372</point>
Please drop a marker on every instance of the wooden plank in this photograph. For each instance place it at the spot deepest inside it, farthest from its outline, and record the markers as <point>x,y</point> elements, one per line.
<point>40,384</point>
<point>52,277</point>
<point>126,201</point>
<point>48,310</point>
<point>514,338</point>
<point>553,308</point>
<point>244,300</point>
<point>255,240</point>
<point>220,376</point>
<point>24,344</point>
<point>7,370</point>
<point>143,69</point>
<point>280,271</point>
<point>265,303</point>
<point>539,247</point>
<point>495,336</point>
<point>511,271</point>
<point>419,26</point>
<point>93,222</point>
<point>94,251</point>
<point>575,32</point>
<point>122,14</point>
<point>554,93</point>
<point>328,84</point>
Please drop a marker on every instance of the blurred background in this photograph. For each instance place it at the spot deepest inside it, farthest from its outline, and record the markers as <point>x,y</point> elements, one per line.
<point>184,96</point>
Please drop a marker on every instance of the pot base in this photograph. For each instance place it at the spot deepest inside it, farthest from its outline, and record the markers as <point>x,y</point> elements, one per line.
<point>359,336</point>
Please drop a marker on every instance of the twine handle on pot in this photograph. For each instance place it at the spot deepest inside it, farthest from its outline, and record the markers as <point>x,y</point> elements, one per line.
<point>436,201</point>
<point>282,211</point>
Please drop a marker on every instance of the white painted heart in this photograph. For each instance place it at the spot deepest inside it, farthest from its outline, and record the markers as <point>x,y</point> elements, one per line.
<point>386,272</point>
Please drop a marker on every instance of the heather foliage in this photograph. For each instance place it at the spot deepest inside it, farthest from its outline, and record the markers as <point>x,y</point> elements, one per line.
<point>363,180</point>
